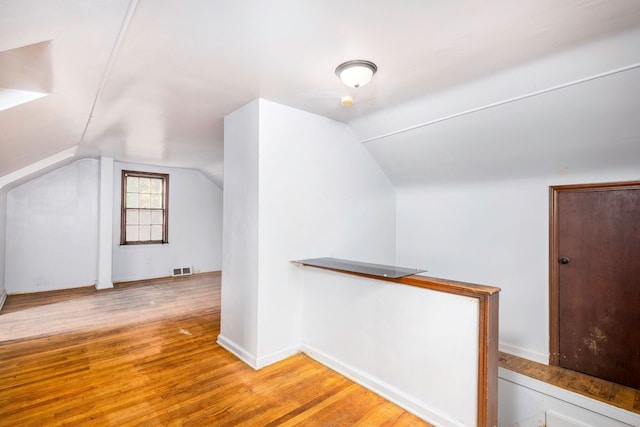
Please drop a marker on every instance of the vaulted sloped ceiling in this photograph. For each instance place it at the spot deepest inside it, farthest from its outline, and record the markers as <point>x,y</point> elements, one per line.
<point>579,128</point>
<point>78,37</point>
<point>150,81</point>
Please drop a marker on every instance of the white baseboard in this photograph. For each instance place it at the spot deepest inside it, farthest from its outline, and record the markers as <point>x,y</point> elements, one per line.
<point>104,285</point>
<point>237,351</point>
<point>277,356</point>
<point>3,298</point>
<point>368,381</point>
<point>381,388</point>
<point>524,353</point>
<point>251,360</point>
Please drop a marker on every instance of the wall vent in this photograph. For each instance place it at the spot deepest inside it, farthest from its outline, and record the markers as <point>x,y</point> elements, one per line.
<point>181,271</point>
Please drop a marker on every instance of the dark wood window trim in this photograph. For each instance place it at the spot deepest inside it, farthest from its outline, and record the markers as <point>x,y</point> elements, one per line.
<point>165,206</point>
<point>554,326</point>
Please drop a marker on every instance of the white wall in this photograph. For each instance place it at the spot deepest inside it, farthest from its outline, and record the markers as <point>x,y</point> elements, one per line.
<point>12,180</point>
<point>415,346</point>
<point>496,233</point>
<point>195,228</point>
<point>314,191</point>
<point>51,235</point>
<point>3,229</point>
<point>320,194</point>
<point>472,178</point>
<point>52,229</point>
<point>239,310</point>
<point>473,165</point>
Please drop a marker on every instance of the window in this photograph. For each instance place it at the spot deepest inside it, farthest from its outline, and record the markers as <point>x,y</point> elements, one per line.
<point>144,208</point>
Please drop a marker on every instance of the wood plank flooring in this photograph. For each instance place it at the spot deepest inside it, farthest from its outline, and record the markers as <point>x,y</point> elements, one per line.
<point>144,354</point>
<point>605,391</point>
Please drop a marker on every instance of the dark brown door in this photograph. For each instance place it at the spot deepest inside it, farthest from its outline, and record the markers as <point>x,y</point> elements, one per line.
<point>596,252</point>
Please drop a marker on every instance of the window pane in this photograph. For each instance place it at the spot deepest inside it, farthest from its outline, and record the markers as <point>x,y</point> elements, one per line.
<point>156,232</point>
<point>144,201</point>
<point>156,201</point>
<point>132,184</point>
<point>132,233</point>
<point>132,200</point>
<point>156,186</point>
<point>156,217</point>
<point>144,233</point>
<point>145,185</point>
<point>145,218</point>
<point>132,216</point>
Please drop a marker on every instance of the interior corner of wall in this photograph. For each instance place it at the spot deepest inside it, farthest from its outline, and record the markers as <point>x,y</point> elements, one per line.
<point>238,351</point>
<point>277,356</point>
<point>104,285</point>
<point>524,353</point>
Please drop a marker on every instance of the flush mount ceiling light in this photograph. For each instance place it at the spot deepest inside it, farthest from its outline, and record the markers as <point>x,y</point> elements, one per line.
<point>356,73</point>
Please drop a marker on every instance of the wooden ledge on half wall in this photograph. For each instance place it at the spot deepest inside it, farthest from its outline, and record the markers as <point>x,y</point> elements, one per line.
<point>402,275</point>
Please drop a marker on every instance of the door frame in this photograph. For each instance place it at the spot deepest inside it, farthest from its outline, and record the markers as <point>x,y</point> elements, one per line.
<point>554,191</point>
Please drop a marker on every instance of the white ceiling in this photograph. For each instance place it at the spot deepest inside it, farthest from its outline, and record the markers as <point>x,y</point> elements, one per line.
<point>150,81</point>
<point>574,129</point>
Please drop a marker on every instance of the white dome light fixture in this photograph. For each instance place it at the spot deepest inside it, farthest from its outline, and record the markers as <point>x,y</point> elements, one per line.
<point>356,73</point>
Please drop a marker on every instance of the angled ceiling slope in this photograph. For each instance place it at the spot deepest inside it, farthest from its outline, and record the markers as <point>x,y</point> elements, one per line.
<point>582,128</point>
<point>150,81</point>
<point>59,48</point>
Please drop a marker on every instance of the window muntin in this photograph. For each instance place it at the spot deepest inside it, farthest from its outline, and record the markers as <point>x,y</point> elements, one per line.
<point>145,210</point>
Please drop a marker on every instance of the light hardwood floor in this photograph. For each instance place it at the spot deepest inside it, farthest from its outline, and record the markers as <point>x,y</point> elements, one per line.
<point>145,354</point>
